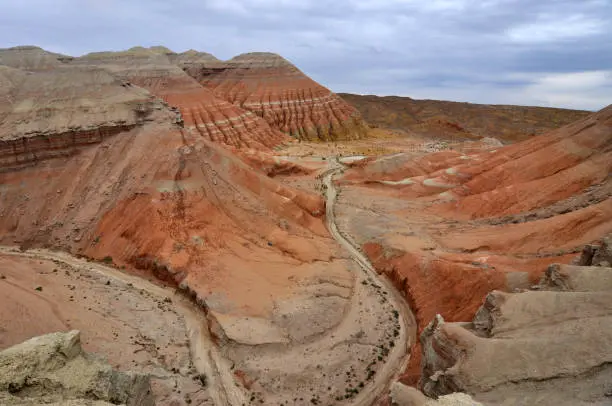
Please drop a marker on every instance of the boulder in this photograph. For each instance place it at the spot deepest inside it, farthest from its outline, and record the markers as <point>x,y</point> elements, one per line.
<point>54,369</point>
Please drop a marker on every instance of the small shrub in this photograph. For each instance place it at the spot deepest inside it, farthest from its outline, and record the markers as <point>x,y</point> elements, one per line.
<point>107,259</point>
<point>39,288</point>
<point>202,379</point>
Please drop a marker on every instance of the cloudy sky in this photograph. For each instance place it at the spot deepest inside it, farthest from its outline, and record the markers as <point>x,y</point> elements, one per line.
<point>533,52</point>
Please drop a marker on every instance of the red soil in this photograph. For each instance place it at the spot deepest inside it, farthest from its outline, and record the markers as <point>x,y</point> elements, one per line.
<point>486,221</point>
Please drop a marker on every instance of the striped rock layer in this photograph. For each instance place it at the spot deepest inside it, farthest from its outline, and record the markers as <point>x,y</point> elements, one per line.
<point>212,117</point>
<point>462,225</point>
<point>273,88</point>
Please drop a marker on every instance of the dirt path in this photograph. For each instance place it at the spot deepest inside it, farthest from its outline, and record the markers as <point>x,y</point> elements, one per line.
<point>399,357</point>
<point>365,312</point>
<point>205,356</point>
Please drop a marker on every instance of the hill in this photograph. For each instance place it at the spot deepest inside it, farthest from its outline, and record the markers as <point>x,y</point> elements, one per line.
<point>454,120</point>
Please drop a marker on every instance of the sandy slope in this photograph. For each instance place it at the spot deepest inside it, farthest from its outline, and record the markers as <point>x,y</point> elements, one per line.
<point>109,307</point>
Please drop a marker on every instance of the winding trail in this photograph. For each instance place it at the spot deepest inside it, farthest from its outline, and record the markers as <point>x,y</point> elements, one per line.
<point>204,354</point>
<point>207,358</point>
<point>399,357</point>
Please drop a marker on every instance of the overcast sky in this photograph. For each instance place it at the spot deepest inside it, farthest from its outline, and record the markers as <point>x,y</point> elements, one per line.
<point>532,52</point>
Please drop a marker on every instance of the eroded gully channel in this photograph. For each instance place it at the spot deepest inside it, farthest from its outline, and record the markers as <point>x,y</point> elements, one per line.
<point>399,357</point>
<point>206,357</point>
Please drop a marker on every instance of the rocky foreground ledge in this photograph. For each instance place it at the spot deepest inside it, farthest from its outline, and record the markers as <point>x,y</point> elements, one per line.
<point>54,369</point>
<point>550,345</point>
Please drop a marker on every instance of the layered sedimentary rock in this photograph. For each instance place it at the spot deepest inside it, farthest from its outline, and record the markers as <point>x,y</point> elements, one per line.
<point>191,213</point>
<point>54,369</point>
<point>550,346</point>
<point>200,110</point>
<point>449,227</point>
<point>147,192</point>
<point>460,121</point>
<point>276,90</point>
<point>53,113</point>
<point>163,201</point>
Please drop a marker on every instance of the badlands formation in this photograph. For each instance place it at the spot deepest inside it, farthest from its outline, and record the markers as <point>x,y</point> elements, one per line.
<point>173,231</point>
<point>279,92</point>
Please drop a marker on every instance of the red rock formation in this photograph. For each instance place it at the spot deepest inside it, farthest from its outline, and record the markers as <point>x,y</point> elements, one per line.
<point>122,179</point>
<point>276,90</point>
<point>202,112</point>
<point>450,227</point>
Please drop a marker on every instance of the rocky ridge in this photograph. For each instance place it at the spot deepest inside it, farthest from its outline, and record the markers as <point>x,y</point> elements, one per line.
<point>31,58</point>
<point>273,88</point>
<point>171,201</point>
<point>460,121</point>
<point>51,113</point>
<point>199,109</point>
<point>549,345</point>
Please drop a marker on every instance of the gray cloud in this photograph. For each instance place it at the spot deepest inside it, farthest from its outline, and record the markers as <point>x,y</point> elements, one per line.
<point>487,51</point>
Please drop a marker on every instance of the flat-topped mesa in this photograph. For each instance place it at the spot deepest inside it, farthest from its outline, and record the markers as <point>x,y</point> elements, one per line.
<point>31,58</point>
<point>200,110</point>
<point>52,113</point>
<point>285,97</point>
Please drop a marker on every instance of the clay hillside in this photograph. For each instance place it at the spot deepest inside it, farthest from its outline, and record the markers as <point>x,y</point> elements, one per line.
<point>449,227</point>
<point>124,159</point>
<point>182,230</point>
<point>453,120</point>
<point>271,86</point>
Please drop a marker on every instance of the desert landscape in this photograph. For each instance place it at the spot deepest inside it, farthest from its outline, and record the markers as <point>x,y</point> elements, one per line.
<point>178,229</point>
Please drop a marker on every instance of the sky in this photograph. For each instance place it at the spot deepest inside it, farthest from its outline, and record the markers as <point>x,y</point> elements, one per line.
<point>529,52</point>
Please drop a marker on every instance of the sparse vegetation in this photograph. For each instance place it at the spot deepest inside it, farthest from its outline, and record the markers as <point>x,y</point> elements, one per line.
<point>201,378</point>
